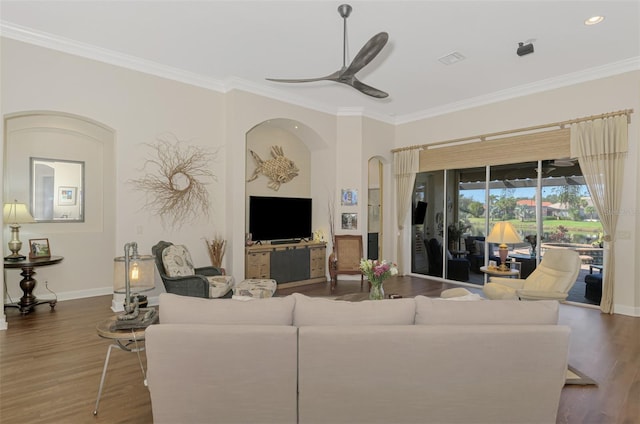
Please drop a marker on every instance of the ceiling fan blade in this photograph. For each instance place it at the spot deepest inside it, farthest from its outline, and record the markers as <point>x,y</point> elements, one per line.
<point>367,53</point>
<point>367,89</point>
<point>347,74</point>
<point>331,77</point>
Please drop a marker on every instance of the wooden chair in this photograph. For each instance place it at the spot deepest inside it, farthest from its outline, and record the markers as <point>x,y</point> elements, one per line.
<point>345,258</point>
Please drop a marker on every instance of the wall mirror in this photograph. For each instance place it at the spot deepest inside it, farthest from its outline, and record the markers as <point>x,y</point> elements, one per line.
<point>57,190</point>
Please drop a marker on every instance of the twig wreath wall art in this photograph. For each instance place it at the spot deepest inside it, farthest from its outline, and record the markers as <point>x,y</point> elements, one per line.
<point>278,169</point>
<point>175,181</point>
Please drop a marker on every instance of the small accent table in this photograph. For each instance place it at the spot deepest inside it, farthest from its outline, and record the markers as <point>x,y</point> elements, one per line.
<point>596,267</point>
<point>127,340</point>
<point>497,273</point>
<point>28,301</point>
<point>459,253</point>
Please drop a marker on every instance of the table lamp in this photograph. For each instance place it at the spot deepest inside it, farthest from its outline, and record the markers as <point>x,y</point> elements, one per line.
<point>503,233</point>
<point>133,273</point>
<point>15,214</point>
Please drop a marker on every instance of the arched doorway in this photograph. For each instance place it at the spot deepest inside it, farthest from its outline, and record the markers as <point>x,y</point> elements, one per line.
<point>374,209</point>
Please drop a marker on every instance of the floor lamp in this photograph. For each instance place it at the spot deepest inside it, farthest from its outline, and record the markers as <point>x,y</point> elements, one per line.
<point>503,233</point>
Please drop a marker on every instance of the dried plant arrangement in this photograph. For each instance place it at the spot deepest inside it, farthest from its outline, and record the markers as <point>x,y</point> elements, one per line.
<point>332,210</point>
<point>216,247</point>
<point>175,182</point>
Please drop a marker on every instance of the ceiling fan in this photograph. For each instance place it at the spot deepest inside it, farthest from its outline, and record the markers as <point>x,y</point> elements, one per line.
<point>549,166</point>
<point>347,74</point>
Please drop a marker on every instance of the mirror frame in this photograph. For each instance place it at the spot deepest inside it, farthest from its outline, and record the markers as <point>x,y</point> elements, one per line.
<point>74,193</point>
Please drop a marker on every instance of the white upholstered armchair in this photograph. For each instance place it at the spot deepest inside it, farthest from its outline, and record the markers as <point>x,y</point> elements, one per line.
<point>551,280</point>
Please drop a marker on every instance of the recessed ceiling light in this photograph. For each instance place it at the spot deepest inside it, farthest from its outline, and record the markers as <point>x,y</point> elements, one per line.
<point>594,20</point>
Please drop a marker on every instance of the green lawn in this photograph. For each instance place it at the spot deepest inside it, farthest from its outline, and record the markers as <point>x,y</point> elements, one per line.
<point>579,231</point>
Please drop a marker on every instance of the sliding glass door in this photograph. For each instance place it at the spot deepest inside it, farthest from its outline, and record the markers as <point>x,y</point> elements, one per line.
<point>547,202</point>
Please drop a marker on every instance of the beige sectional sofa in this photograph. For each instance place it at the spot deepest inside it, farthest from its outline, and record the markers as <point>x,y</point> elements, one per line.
<point>311,360</point>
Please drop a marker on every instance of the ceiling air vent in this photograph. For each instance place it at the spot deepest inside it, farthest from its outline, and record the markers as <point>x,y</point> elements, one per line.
<point>452,58</point>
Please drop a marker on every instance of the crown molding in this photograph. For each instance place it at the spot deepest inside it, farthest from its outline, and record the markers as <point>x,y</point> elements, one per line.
<point>235,83</point>
<point>611,69</point>
<point>88,51</point>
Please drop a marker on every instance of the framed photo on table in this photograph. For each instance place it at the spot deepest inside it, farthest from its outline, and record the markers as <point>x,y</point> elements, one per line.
<point>39,248</point>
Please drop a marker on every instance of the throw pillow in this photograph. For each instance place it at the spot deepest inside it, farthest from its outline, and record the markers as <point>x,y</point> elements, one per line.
<point>175,309</point>
<point>177,261</point>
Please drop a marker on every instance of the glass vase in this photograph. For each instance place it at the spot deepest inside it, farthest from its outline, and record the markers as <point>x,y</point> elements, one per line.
<point>377,291</point>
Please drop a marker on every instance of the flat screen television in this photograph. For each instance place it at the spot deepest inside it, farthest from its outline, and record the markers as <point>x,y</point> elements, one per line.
<point>279,218</point>
<point>419,213</point>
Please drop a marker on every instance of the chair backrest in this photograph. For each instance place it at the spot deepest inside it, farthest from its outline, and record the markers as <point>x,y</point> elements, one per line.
<point>177,261</point>
<point>172,260</point>
<point>348,253</point>
<point>434,255</point>
<point>157,253</point>
<point>556,272</point>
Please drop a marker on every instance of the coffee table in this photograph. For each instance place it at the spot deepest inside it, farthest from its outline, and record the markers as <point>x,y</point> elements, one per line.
<point>131,340</point>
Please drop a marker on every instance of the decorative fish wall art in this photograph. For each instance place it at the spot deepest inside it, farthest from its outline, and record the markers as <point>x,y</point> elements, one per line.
<point>278,169</point>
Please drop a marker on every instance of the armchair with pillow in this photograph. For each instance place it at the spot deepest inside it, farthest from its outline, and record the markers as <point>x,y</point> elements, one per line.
<point>551,280</point>
<point>475,246</point>
<point>457,268</point>
<point>179,276</point>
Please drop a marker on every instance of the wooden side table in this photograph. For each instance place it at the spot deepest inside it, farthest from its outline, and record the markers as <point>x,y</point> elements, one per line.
<point>28,301</point>
<point>126,340</point>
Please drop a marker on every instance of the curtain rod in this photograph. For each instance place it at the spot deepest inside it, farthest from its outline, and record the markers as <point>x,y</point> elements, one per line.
<point>483,137</point>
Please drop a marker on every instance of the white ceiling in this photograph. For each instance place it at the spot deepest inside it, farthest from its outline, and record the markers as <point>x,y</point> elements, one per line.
<point>237,44</point>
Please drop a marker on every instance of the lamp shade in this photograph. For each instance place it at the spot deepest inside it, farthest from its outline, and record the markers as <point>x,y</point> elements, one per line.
<point>503,233</point>
<point>141,274</point>
<point>16,213</point>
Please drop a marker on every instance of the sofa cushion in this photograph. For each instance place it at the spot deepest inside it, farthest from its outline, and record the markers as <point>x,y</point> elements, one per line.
<point>439,311</point>
<point>192,310</point>
<point>177,261</point>
<point>318,311</point>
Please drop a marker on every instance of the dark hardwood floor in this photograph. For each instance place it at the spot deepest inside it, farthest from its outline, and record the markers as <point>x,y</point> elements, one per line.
<point>51,362</point>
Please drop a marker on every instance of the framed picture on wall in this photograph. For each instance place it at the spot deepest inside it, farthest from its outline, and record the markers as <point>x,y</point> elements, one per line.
<point>39,248</point>
<point>349,197</point>
<point>67,196</point>
<point>349,221</point>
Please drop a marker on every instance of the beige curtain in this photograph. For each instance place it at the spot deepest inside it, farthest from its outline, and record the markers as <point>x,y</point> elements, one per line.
<point>405,165</point>
<point>601,148</point>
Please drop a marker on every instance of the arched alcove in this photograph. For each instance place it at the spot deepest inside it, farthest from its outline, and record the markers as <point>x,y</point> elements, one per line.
<point>65,137</point>
<point>299,143</point>
<point>278,145</point>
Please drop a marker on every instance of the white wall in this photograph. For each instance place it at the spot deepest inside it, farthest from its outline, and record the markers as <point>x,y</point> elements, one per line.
<point>140,107</point>
<point>576,101</point>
